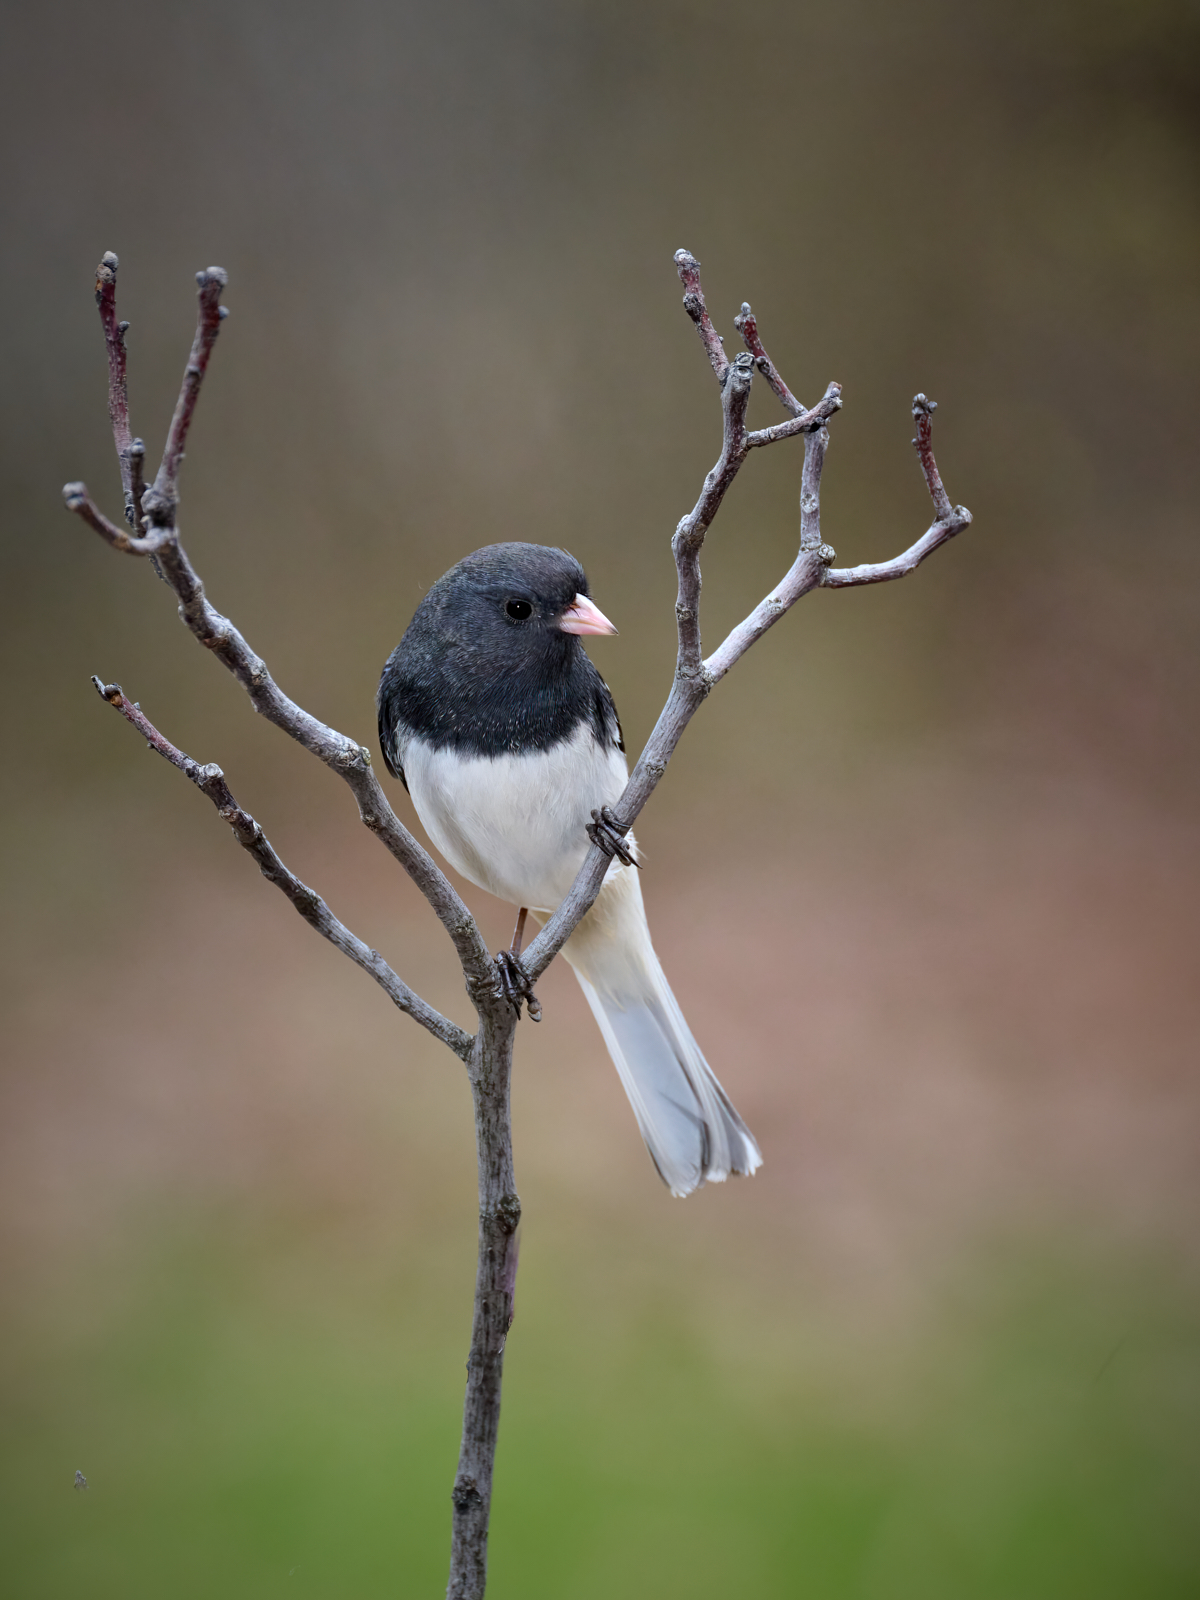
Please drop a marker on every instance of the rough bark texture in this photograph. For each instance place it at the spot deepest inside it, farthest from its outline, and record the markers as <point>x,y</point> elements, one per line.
<point>495,1282</point>
<point>151,515</point>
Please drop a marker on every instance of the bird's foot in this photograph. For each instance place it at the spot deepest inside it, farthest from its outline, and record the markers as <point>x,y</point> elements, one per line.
<point>605,830</point>
<point>516,985</point>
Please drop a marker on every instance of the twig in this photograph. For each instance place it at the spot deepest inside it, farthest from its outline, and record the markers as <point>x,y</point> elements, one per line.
<point>948,521</point>
<point>163,496</point>
<point>114,343</point>
<point>829,402</point>
<point>118,392</point>
<point>736,443</point>
<point>923,444</point>
<point>689,535</point>
<point>210,780</point>
<point>806,573</point>
<point>350,760</point>
<point>815,445</point>
<point>695,677</point>
<point>688,269</point>
<point>137,484</point>
<point>76,498</point>
<point>899,566</point>
<point>131,452</point>
<point>735,378</point>
<point>747,325</point>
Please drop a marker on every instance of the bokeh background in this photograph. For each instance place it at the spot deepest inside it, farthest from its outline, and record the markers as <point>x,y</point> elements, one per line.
<point>923,873</point>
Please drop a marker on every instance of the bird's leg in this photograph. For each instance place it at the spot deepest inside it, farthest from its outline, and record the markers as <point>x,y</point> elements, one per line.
<point>605,830</point>
<point>514,980</point>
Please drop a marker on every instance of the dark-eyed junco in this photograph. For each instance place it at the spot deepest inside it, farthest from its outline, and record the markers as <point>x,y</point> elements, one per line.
<point>506,736</point>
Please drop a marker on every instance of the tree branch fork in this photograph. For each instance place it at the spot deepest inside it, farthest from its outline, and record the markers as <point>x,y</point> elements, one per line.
<point>151,530</point>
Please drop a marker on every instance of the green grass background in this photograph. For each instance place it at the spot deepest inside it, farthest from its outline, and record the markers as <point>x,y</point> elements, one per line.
<point>254,1420</point>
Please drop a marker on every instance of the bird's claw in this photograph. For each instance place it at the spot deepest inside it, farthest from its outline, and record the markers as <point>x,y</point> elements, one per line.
<point>516,985</point>
<point>605,830</point>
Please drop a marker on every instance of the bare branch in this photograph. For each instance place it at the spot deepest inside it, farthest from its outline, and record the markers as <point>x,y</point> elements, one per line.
<point>736,443</point>
<point>350,760</point>
<point>488,1055</point>
<point>829,402</point>
<point>210,780</point>
<point>77,499</point>
<point>495,1282</point>
<point>682,703</point>
<point>815,445</point>
<point>923,444</point>
<point>693,303</point>
<point>137,484</point>
<point>949,519</point>
<point>694,677</point>
<point>747,326</point>
<point>131,452</point>
<point>114,340</point>
<point>163,496</point>
<point>901,565</point>
<point>118,392</point>
<point>689,535</point>
<point>805,573</point>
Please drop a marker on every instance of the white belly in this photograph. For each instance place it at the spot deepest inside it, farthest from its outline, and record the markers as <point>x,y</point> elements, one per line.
<point>515,824</point>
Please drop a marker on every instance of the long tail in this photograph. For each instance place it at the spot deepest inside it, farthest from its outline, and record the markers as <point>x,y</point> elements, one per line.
<point>690,1127</point>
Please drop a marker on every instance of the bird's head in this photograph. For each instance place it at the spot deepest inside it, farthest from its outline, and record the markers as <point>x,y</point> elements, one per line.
<point>517,600</point>
<point>493,660</point>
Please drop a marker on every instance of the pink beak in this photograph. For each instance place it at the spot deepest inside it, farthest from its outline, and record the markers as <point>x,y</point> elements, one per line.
<point>581,616</point>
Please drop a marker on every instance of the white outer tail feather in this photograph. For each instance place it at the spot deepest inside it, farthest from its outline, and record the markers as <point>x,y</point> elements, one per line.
<point>691,1129</point>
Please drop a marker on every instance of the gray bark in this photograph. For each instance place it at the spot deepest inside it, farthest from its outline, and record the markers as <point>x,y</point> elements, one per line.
<point>495,1283</point>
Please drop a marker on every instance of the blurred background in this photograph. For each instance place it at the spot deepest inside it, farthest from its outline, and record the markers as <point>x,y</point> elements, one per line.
<point>923,872</point>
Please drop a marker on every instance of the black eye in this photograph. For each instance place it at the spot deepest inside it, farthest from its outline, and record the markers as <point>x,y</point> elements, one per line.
<point>519,610</point>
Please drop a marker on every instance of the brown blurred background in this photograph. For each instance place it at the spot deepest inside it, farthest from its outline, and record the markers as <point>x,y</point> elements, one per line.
<point>923,873</point>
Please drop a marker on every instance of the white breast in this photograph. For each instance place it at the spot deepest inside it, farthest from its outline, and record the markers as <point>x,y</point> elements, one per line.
<point>515,824</point>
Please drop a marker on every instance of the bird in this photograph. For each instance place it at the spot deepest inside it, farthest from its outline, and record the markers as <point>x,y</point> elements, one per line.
<point>507,739</point>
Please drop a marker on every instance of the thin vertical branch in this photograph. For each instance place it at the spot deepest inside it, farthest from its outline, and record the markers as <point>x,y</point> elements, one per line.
<point>688,269</point>
<point>923,416</point>
<point>495,1284</point>
<point>816,443</point>
<point>163,497</point>
<point>137,485</point>
<point>689,535</point>
<point>118,389</point>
